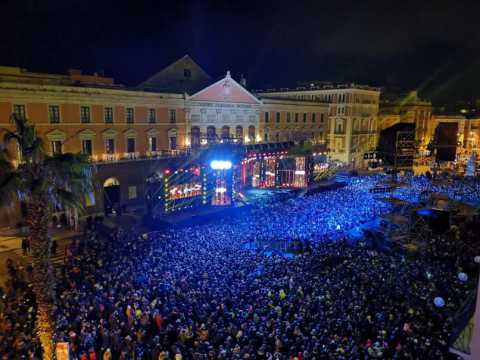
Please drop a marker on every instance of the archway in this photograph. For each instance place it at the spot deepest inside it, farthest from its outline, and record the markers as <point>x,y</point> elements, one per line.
<point>111,195</point>
<point>251,133</point>
<point>239,133</point>
<point>211,134</point>
<point>225,132</point>
<point>195,136</point>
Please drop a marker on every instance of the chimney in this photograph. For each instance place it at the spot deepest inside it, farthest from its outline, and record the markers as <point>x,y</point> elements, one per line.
<point>243,81</point>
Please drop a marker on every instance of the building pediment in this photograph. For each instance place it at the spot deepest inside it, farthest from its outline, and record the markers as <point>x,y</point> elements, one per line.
<point>109,133</point>
<point>86,134</point>
<point>226,90</point>
<point>56,135</point>
<point>130,133</point>
<point>152,132</point>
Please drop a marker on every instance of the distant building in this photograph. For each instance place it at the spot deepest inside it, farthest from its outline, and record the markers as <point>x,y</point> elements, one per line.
<point>407,108</point>
<point>351,124</point>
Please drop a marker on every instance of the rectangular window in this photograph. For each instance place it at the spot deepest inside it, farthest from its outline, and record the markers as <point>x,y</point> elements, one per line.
<point>277,117</point>
<point>173,116</point>
<point>130,115</point>
<point>187,73</point>
<point>57,147</point>
<point>314,117</point>
<point>87,147</point>
<point>54,114</point>
<point>110,146</point>
<point>130,145</point>
<point>19,111</point>
<point>321,117</point>
<point>132,192</point>
<point>267,117</point>
<point>152,116</point>
<point>288,117</point>
<point>304,117</point>
<point>152,143</point>
<point>296,117</point>
<point>84,114</point>
<point>173,142</point>
<point>108,115</point>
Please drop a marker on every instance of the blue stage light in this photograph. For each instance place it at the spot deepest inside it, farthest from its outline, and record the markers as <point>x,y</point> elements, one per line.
<point>221,164</point>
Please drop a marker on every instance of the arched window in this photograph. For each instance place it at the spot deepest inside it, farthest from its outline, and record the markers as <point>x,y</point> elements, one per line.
<point>172,139</point>
<point>226,132</point>
<point>251,133</point>
<point>195,136</point>
<point>239,133</point>
<point>211,134</point>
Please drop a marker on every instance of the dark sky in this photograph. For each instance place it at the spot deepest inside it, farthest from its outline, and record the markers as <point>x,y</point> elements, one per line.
<point>430,45</point>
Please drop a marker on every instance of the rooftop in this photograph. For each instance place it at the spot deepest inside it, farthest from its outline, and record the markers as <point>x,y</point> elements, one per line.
<point>313,86</point>
<point>74,77</point>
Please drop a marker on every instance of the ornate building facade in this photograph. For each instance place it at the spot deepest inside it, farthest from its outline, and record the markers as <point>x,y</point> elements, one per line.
<point>128,133</point>
<point>407,108</point>
<point>351,126</point>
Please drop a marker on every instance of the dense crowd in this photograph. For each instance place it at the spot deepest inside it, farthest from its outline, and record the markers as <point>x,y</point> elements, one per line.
<point>198,293</point>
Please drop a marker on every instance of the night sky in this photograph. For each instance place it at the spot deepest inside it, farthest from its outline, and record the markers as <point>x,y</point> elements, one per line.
<point>432,46</point>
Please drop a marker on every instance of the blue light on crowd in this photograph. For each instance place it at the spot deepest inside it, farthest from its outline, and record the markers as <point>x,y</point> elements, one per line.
<point>221,164</point>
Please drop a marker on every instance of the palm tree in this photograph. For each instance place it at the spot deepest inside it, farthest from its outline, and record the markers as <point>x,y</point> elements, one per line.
<point>44,184</point>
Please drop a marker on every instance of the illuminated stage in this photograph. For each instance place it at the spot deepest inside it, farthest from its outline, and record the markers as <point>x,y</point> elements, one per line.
<point>219,175</point>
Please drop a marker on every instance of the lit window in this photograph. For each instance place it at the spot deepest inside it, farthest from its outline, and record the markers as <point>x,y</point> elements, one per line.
<point>152,116</point>
<point>173,116</point>
<point>130,145</point>
<point>130,115</point>
<point>84,114</point>
<point>110,146</point>
<point>108,115</point>
<point>87,147</point>
<point>152,143</point>
<point>54,114</point>
<point>19,111</point>
<point>57,147</point>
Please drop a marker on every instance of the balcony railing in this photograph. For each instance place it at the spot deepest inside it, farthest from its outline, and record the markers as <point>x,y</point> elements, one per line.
<point>135,156</point>
<point>109,157</point>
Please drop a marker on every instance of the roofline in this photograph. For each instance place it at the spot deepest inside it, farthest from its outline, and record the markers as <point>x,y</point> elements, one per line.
<point>257,100</point>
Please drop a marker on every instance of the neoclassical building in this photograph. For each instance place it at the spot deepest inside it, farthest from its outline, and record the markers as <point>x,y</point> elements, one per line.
<point>130,132</point>
<point>351,123</point>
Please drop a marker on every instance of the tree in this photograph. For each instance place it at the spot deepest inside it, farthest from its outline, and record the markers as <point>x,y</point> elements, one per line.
<point>44,184</point>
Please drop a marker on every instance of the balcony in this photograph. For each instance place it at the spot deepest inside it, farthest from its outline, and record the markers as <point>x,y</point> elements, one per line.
<point>137,156</point>
<point>109,157</point>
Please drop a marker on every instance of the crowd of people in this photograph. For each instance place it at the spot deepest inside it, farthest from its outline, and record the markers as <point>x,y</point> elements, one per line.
<point>199,293</point>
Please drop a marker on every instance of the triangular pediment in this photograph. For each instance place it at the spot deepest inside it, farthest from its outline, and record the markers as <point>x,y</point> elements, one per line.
<point>225,90</point>
<point>56,135</point>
